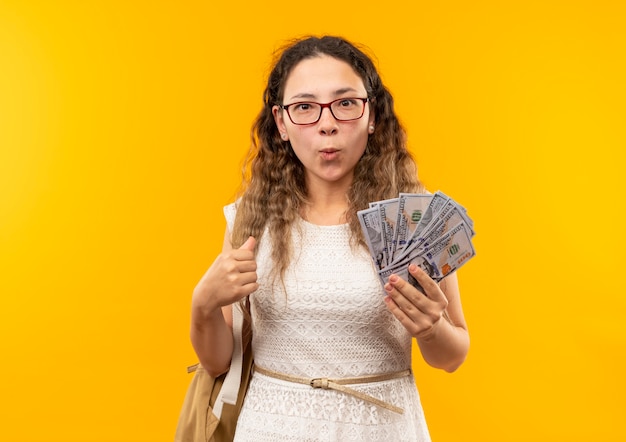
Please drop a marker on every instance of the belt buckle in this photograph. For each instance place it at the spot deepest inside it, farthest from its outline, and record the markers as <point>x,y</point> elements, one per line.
<point>319,383</point>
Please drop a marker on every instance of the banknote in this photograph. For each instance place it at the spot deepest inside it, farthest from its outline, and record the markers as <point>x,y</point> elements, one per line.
<point>388,213</point>
<point>430,230</point>
<point>444,222</point>
<point>444,256</point>
<point>411,207</point>
<point>437,202</point>
<point>435,216</point>
<point>372,230</point>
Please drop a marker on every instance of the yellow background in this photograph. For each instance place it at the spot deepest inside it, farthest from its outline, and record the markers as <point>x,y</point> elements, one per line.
<point>122,129</point>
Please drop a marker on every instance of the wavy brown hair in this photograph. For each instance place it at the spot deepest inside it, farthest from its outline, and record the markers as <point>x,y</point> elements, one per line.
<point>273,188</point>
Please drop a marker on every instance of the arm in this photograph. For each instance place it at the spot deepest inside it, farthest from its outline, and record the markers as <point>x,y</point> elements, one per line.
<point>435,318</point>
<point>231,277</point>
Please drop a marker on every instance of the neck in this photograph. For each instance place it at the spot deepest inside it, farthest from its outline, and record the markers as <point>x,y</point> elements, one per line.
<point>324,217</point>
<point>327,202</point>
<point>326,211</point>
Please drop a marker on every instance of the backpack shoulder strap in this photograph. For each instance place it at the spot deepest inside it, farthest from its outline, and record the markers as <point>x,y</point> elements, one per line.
<point>230,388</point>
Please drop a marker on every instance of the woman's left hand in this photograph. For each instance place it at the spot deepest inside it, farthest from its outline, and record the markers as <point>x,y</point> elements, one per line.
<point>419,313</point>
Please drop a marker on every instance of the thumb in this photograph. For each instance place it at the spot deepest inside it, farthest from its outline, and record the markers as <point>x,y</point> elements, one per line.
<point>249,244</point>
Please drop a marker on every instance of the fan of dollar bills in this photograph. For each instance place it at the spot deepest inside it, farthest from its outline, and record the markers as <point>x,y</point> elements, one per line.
<point>429,230</point>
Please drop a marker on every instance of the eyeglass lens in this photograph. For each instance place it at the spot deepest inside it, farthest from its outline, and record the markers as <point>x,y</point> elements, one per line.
<point>343,109</point>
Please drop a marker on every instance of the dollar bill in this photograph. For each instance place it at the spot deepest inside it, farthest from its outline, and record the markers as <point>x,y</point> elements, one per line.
<point>440,259</point>
<point>435,204</point>
<point>450,214</point>
<point>373,233</point>
<point>446,220</point>
<point>429,230</point>
<point>411,207</point>
<point>388,212</point>
<point>435,218</point>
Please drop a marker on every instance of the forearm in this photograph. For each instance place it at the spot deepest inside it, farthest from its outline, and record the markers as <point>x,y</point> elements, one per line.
<point>445,346</point>
<point>212,340</point>
<point>231,277</point>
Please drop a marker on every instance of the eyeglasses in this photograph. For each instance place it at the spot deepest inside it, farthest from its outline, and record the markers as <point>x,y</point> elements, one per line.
<point>309,112</point>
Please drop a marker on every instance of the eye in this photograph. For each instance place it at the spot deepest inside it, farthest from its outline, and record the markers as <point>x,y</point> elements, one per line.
<point>347,102</point>
<point>302,107</point>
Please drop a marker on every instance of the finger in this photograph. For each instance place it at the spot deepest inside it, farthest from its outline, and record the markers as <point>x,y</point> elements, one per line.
<point>430,287</point>
<point>398,283</point>
<point>246,251</point>
<point>241,283</point>
<point>246,266</point>
<point>418,318</point>
<point>241,291</point>
<point>413,323</point>
<point>421,308</point>
<point>405,296</point>
<point>406,290</point>
<point>247,278</point>
<point>250,244</point>
<point>248,289</point>
<point>241,255</point>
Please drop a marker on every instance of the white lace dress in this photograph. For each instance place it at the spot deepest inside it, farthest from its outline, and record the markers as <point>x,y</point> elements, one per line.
<point>332,323</point>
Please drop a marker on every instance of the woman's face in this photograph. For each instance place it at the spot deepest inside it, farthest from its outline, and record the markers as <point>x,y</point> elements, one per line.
<point>329,149</point>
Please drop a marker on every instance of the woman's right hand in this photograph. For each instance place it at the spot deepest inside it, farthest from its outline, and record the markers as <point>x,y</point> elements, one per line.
<point>231,277</point>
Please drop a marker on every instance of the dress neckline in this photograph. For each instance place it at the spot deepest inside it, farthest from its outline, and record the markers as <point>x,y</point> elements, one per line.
<point>321,226</point>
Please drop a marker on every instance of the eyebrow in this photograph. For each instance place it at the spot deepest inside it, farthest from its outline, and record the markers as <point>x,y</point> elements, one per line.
<point>309,96</point>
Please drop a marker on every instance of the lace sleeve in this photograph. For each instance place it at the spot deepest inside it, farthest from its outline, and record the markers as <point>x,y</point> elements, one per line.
<point>230,211</point>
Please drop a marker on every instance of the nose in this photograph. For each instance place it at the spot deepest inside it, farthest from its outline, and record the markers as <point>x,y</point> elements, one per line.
<point>327,122</point>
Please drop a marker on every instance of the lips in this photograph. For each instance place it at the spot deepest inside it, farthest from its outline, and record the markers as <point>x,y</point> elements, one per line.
<point>329,153</point>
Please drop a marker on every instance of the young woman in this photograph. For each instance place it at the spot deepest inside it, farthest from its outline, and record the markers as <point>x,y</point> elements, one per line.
<point>325,144</point>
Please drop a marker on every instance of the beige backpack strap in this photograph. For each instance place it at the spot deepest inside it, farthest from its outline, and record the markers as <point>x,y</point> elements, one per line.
<point>230,388</point>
